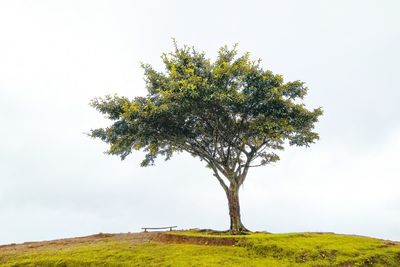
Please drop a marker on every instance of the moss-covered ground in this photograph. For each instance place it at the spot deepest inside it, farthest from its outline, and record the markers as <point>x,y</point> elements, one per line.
<point>204,248</point>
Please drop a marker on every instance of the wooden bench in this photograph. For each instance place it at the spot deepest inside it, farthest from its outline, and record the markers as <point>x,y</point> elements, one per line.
<point>158,228</point>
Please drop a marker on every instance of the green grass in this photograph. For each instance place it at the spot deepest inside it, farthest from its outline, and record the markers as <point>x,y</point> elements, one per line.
<point>255,249</point>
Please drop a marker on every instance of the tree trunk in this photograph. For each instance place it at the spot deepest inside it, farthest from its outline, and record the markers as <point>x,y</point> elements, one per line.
<point>234,210</point>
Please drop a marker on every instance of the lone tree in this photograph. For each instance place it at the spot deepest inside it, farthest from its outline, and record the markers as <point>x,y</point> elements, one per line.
<point>230,113</point>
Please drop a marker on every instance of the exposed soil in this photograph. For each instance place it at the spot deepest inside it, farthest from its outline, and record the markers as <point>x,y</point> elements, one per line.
<point>67,242</point>
<point>200,240</point>
<point>134,238</point>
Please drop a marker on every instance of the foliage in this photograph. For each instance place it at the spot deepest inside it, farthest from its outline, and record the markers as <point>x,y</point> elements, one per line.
<point>230,113</point>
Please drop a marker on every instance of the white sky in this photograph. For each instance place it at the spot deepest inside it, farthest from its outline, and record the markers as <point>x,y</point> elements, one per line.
<point>57,55</point>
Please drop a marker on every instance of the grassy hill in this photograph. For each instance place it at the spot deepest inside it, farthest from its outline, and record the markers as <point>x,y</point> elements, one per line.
<point>205,248</point>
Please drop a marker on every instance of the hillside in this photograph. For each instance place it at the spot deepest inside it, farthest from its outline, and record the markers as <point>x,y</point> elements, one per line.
<point>205,248</point>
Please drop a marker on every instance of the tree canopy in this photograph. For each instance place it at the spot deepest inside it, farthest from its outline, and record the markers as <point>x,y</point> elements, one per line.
<point>230,113</point>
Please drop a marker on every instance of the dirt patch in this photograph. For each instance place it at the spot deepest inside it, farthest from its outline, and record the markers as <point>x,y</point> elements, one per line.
<point>58,243</point>
<point>199,240</point>
<point>133,238</point>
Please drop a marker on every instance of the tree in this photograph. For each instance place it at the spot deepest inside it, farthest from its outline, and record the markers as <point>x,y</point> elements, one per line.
<point>231,113</point>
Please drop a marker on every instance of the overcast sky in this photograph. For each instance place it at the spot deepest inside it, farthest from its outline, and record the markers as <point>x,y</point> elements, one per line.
<point>56,55</point>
